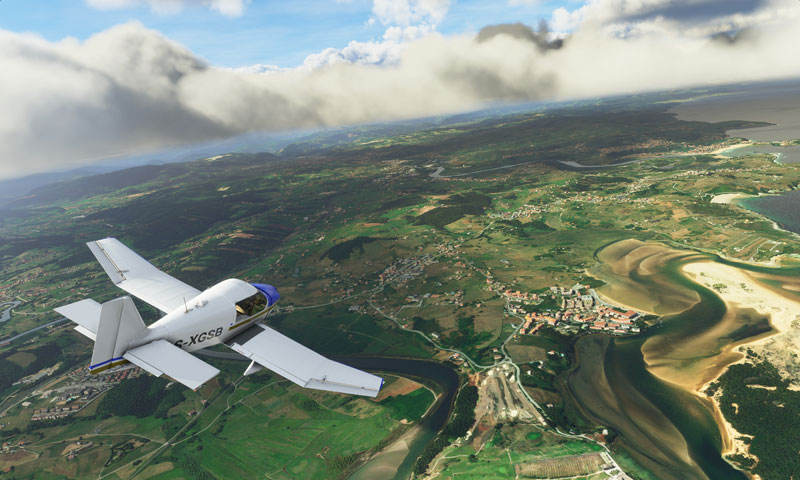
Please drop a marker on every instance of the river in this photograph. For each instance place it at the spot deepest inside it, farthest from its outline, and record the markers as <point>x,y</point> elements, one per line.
<point>622,382</point>
<point>443,376</point>
<point>6,308</point>
<point>446,382</point>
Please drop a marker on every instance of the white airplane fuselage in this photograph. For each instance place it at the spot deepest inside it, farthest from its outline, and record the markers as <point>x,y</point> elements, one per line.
<point>208,319</point>
<point>194,320</point>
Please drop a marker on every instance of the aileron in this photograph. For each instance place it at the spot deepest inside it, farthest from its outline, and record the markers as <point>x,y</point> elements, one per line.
<point>138,277</point>
<point>302,365</point>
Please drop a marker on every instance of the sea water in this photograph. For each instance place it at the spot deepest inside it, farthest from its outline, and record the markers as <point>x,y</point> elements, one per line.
<point>783,209</point>
<point>790,154</point>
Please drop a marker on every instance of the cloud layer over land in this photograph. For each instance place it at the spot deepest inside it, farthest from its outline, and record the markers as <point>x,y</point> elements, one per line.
<point>130,90</point>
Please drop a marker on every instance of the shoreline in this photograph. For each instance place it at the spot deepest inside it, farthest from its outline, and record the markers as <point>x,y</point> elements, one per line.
<point>740,291</point>
<point>610,301</point>
<point>730,199</point>
<point>388,460</point>
<point>721,151</point>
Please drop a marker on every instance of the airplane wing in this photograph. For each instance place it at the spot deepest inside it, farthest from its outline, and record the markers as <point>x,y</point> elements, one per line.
<point>161,357</point>
<point>138,277</point>
<point>302,365</point>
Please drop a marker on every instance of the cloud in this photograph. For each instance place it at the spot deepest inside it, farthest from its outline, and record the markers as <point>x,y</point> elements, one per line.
<point>130,90</point>
<point>405,22</point>
<point>522,32</point>
<point>258,68</point>
<point>409,12</point>
<point>231,8</point>
<point>698,18</point>
<point>693,11</point>
<point>563,20</point>
<point>526,3</point>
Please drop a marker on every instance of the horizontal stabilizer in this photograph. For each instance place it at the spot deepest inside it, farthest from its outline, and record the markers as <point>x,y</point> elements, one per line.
<point>302,365</point>
<point>161,357</point>
<point>86,332</point>
<point>85,313</point>
<point>138,277</point>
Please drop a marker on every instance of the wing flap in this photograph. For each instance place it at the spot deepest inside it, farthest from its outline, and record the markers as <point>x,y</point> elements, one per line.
<point>138,277</point>
<point>161,357</point>
<point>302,365</point>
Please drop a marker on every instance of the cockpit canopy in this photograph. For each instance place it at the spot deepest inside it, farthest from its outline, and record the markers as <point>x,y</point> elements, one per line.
<point>249,298</point>
<point>252,305</point>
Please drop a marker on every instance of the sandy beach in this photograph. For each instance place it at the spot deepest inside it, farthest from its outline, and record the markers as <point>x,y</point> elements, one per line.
<point>721,151</point>
<point>385,463</point>
<point>728,198</point>
<point>741,290</point>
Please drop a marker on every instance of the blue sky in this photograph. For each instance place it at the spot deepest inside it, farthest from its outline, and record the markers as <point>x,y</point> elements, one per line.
<point>279,32</point>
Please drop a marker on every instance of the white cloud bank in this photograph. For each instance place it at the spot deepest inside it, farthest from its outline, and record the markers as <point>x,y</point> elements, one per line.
<point>130,90</point>
<point>405,21</point>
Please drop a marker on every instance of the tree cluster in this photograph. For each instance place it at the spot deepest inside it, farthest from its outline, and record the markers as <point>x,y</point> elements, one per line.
<point>142,396</point>
<point>461,421</point>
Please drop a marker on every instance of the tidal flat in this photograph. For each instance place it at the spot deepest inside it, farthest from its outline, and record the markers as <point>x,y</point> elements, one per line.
<point>649,388</point>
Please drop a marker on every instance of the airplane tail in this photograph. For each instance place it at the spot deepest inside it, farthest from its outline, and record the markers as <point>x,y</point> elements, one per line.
<point>119,324</point>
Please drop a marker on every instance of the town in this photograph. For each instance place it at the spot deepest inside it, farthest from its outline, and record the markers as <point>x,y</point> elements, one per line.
<point>79,390</point>
<point>578,311</point>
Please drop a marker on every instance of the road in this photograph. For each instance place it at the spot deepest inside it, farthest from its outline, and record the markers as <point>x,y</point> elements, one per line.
<point>17,337</point>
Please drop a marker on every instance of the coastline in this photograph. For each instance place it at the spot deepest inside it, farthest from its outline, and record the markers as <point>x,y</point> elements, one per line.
<point>614,302</point>
<point>740,291</point>
<point>729,198</point>
<point>721,151</point>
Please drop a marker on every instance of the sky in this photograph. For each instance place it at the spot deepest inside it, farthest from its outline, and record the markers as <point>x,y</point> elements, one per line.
<point>87,80</point>
<point>274,32</point>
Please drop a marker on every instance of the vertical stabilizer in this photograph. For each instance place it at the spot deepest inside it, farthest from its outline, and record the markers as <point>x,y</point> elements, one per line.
<point>119,325</point>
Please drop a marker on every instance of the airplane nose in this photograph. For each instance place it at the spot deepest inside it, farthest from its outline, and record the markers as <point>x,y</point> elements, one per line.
<point>268,290</point>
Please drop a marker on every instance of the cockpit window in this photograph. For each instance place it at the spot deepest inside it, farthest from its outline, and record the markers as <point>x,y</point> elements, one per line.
<point>252,305</point>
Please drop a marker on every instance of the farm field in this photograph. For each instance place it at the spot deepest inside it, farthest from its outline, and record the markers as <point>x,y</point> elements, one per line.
<point>415,245</point>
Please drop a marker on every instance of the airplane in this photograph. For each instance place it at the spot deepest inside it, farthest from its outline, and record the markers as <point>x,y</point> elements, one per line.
<point>229,313</point>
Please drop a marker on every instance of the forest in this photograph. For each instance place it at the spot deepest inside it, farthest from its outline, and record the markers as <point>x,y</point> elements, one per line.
<point>460,422</point>
<point>757,401</point>
<point>141,397</point>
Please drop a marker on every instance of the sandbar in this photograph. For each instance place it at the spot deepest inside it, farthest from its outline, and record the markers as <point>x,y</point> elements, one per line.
<point>741,290</point>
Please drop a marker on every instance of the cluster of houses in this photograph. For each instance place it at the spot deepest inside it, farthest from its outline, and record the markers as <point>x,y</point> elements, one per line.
<point>579,311</point>
<point>455,297</point>
<point>405,269</point>
<point>54,413</point>
<point>522,212</point>
<point>615,321</point>
<point>82,389</point>
<point>46,372</point>
<point>518,296</point>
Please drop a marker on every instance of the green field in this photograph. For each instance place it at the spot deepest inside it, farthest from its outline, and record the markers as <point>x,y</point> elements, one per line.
<point>364,244</point>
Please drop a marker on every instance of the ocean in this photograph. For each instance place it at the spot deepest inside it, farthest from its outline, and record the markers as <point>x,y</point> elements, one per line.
<point>790,154</point>
<point>784,208</point>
